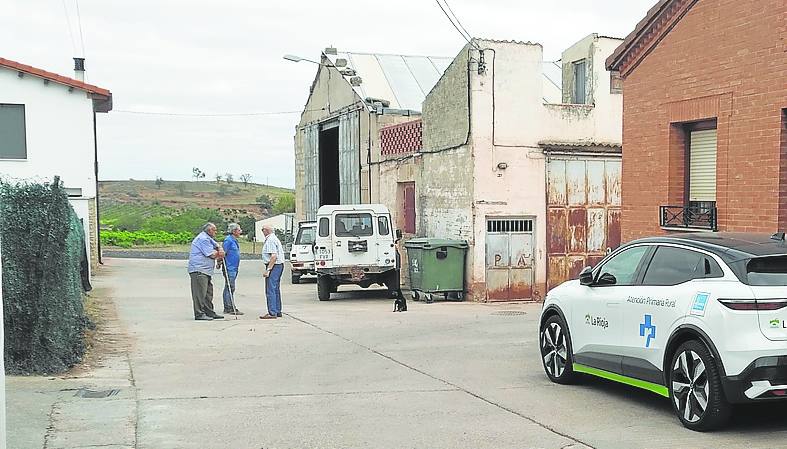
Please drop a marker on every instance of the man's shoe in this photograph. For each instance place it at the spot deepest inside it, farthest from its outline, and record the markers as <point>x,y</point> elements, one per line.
<point>234,312</point>
<point>216,316</point>
<point>203,318</point>
<point>267,317</point>
<point>278,315</point>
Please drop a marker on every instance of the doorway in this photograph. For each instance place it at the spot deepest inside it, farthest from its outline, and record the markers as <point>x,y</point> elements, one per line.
<point>329,164</point>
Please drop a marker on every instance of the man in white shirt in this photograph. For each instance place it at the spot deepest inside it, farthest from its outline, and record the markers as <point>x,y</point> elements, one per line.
<point>273,258</point>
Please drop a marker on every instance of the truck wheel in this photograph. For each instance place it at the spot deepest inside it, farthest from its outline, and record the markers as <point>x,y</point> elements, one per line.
<point>296,278</point>
<point>324,287</point>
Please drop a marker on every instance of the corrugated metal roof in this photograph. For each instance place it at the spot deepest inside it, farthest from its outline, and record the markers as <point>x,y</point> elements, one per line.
<point>402,80</point>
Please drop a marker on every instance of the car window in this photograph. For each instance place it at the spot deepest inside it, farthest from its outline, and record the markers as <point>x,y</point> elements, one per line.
<point>764,271</point>
<point>306,236</point>
<point>353,225</point>
<point>382,224</point>
<point>672,266</point>
<point>324,228</point>
<point>624,265</point>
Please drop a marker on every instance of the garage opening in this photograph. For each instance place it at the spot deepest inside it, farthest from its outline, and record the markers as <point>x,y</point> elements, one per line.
<point>329,164</point>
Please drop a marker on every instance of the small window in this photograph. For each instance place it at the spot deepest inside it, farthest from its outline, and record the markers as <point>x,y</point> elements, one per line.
<point>306,235</point>
<point>672,266</point>
<point>382,224</point>
<point>580,79</point>
<point>324,227</point>
<point>623,266</point>
<point>353,225</point>
<point>13,141</point>
<point>615,82</point>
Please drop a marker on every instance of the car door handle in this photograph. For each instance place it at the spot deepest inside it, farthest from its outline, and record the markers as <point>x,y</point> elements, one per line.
<point>613,304</point>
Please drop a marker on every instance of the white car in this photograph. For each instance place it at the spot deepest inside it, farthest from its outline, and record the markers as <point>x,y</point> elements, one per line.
<point>699,318</point>
<point>355,244</point>
<point>302,252</point>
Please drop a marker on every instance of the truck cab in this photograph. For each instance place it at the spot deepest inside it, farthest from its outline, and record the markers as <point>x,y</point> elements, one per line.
<point>355,244</point>
<point>302,252</point>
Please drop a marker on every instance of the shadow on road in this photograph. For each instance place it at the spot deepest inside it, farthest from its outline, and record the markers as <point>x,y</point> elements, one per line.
<point>749,418</point>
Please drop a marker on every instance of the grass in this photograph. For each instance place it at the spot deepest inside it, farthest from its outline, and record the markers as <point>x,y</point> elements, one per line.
<point>246,247</point>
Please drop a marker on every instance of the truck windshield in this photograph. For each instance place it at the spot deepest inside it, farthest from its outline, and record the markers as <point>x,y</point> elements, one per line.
<point>767,271</point>
<point>306,236</point>
<point>354,225</point>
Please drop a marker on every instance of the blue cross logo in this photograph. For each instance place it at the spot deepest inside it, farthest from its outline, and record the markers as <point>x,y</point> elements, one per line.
<point>647,329</point>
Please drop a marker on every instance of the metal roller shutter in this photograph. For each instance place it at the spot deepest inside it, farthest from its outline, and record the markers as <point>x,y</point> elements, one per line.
<point>702,165</point>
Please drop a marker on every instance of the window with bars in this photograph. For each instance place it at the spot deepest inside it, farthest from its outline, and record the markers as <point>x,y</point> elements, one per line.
<point>505,225</point>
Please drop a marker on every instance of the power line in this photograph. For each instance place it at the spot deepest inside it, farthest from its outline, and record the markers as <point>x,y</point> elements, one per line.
<point>468,38</point>
<point>70,31</point>
<point>228,114</point>
<point>81,37</point>
<point>457,19</point>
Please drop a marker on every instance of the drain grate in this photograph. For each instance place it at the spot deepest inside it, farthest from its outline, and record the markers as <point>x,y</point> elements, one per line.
<point>509,313</point>
<point>93,394</point>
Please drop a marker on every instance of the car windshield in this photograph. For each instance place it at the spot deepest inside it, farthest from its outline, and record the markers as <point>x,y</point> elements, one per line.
<point>306,235</point>
<point>354,225</point>
<point>767,271</point>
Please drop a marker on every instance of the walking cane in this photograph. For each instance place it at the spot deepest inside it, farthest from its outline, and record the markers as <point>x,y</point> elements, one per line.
<point>229,287</point>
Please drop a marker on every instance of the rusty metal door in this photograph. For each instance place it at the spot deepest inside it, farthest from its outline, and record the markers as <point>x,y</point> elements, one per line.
<point>509,259</point>
<point>583,214</point>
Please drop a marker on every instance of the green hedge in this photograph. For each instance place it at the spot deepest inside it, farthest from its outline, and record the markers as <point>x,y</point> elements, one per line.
<point>127,239</point>
<point>43,250</point>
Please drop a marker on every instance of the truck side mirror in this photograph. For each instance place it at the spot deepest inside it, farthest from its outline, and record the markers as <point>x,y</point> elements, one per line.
<point>398,235</point>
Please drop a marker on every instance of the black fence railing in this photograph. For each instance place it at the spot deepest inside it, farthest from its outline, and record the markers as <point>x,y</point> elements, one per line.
<point>695,217</point>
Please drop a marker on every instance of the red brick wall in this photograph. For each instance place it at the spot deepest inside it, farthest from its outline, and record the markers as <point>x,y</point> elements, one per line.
<point>403,138</point>
<point>725,59</point>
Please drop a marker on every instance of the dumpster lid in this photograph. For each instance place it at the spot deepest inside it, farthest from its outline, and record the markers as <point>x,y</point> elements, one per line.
<point>431,242</point>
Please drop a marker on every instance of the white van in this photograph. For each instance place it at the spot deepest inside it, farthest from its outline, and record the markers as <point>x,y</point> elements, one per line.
<point>302,252</point>
<point>355,244</point>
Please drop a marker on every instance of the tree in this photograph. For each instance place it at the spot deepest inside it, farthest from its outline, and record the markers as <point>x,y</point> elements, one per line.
<point>229,178</point>
<point>265,202</point>
<point>218,178</point>
<point>245,179</point>
<point>285,203</point>
<point>197,174</point>
<point>159,182</point>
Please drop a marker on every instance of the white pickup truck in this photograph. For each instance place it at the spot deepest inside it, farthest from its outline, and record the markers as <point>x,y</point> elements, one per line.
<point>302,252</point>
<point>355,244</point>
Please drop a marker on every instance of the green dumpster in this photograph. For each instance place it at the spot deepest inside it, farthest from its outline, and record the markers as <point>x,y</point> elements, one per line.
<point>436,267</point>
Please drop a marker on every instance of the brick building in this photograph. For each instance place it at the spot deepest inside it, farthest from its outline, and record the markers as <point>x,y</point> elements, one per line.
<point>704,117</point>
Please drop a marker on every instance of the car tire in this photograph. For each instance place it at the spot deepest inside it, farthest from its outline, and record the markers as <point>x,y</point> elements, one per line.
<point>324,287</point>
<point>695,388</point>
<point>555,347</point>
<point>296,279</point>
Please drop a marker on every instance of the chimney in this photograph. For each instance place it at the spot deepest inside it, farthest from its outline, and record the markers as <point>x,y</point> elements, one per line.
<point>79,69</point>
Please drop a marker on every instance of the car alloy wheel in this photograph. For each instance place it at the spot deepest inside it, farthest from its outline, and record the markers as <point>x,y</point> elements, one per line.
<point>695,388</point>
<point>556,350</point>
<point>690,386</point>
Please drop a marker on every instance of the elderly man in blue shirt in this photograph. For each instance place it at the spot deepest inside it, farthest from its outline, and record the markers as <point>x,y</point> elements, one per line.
<point>231,263</point>
<point>205,251</point>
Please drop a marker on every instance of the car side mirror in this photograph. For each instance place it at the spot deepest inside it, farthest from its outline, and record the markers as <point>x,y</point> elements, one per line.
<point>398,234</point>
<point>606,279</point>
<point>586,276</point>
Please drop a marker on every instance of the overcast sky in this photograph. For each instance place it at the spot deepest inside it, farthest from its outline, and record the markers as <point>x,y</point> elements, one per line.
<point>224,57</point>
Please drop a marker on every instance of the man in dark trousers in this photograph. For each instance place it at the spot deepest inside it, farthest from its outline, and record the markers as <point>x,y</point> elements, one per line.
<point>205,251</point>
<point>231,263</point>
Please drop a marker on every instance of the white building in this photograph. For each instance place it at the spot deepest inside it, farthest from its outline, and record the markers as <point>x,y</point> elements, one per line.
<point>523,166</point>
<point>47,124</point>
<point>283,222</point>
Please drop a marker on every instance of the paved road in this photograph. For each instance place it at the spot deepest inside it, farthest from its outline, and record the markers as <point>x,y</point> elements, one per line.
<point>349,373</point>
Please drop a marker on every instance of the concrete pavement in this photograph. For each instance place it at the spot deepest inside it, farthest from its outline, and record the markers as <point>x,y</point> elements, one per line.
<point>347,373</point>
